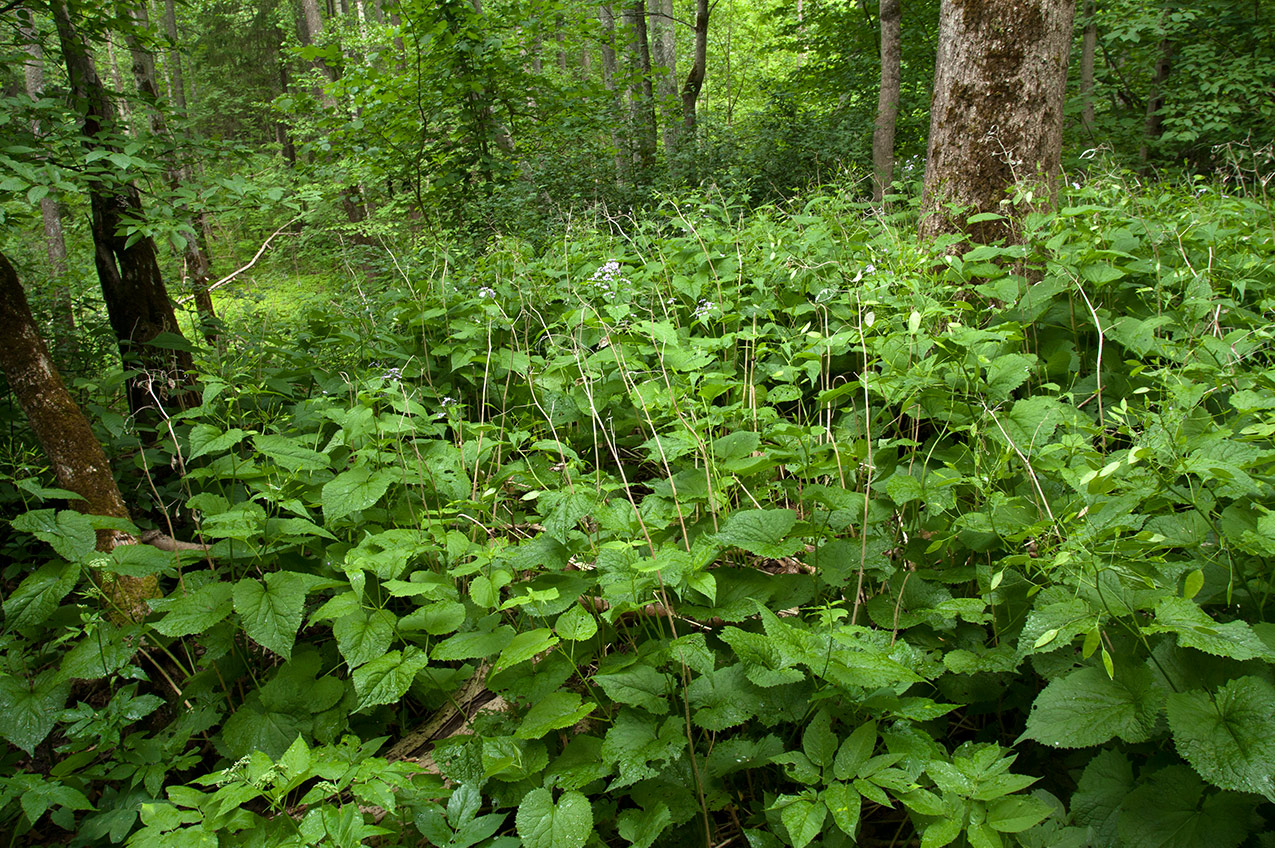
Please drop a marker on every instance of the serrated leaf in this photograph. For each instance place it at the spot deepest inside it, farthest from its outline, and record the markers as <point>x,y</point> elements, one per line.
<point>29,709</point>
<point>524,646</point>
<point>1195,629</point>
<point>473,645</point>
<point>818,741</point>
<point>642,827</point>
<point>763,532</point>
<point>553,712</point>
<point>1087,708</point>
<point>1016,813</point>
<point>353,490</point>
<point>205,438</point>
<point>576,624</point>
<point>386,678</point>
<point>543,824</point>
<point>1228,738</point>
<point>1166,812</point>
<point>723,699</point>
<point>1103,786</point>
<point>845,804</point>
<point>39,595</point>
<point>195,612</point>
<point>70,533</point>
<point>271,612</point>
<point>803,818</point>
<point>639,686</point>
<point>289,453</point>
<point>637,741</point>
<point>855,751</point>
<point>364,635</point>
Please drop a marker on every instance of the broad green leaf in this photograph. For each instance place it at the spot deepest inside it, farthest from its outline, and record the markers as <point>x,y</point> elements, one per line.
<point>437,618</point>
<point>737,445</point>
<point>763,532</point>
<point>101,651</point>
<point>818,741</point>
<point>205,438</point>
<point>543,824</point>
<point>845,804</point>
<point>1006,373</point>
<point>195,612</point>
<point>723,699</point>
<point>28,709</point>
<point>69,532</point>
<point>386,678</point>
<point>289,453</point>
<point>1195,629</point>
<point>576,624</point>
<point>364,635</point>
<point>642,827</point>
<point>40,794</point>
<point>553,712</point>
<point>941,832</point>
<point>803,818</point>
<point>271,612</point>
<point>1102,788</point>
<point>524,646</point>
<point>473,645</point>
<point>855,751</point>
<point>1016,813</point>
<point>1171,810</point>
<point>639,686</point>
<point>39,594</point>
<point>1086,707</point>
<point>354,490</point>
<point>637,741</point>
<point>1227,738</point>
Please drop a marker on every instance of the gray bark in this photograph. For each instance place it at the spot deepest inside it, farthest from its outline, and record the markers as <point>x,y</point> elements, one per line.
<point>641,93</point>
<point>888,99</point>
<point>997,113</point>
<point>610,67</point>
<point>664,57</point>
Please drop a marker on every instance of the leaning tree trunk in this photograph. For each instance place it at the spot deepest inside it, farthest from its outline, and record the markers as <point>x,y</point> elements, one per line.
<point>127,266</point>
<point>78,461</point>
<point>694,84</point>
<point>888,99</point>
<point>997,114</point>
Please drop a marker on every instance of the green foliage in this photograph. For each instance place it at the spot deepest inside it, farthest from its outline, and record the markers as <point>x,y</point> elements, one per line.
<point>757,525</point>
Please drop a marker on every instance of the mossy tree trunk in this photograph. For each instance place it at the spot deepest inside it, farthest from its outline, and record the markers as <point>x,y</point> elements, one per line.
<point>997,114</point>
<point>78,461</point>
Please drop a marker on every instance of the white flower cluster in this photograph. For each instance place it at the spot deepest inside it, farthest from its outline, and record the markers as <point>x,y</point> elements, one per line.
<point>607,279</point>
<point>705,309</point>
<point>487,292</point>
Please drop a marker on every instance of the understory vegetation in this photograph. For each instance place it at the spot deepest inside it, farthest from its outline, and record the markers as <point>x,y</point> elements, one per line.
<point>724,525</point>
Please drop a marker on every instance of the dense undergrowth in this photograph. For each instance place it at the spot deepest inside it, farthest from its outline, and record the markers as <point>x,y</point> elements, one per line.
<point>726,528</point>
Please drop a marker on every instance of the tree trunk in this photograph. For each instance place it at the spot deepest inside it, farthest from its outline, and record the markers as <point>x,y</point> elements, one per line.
<point>1088,51</point>
<point>78,462</point>
<point>687,143</point>
<point>997,115</point>
<point>610,67</point>
<point>888,99</point>
<point>641,94</point>
<point>664,57</point>
<point>195,253</point>
<point>1153,127</point>
<point>136,299</point>
<point>54,240</point>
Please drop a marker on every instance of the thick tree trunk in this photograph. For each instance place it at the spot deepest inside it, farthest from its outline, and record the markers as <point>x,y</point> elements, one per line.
<point>699,63</point>
<point>50,214</point>
<point>78,462</point>
<point>136,299</point>
<point>642,93</point>
<point>1088,51</point>
<point>997,114</point>
<point>887,99</point>
<point>664,57</point>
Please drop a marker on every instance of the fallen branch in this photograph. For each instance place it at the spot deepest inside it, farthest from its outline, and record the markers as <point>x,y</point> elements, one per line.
<point>253,261</point>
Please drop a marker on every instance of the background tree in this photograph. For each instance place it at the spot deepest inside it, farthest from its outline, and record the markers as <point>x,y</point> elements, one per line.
<point>997,113</point>
<point>888,99</point>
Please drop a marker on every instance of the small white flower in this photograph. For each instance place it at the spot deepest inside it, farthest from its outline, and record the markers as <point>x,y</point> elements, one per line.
<point>394,374</point>
<point>449,401</point>
<point>487,292</point>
